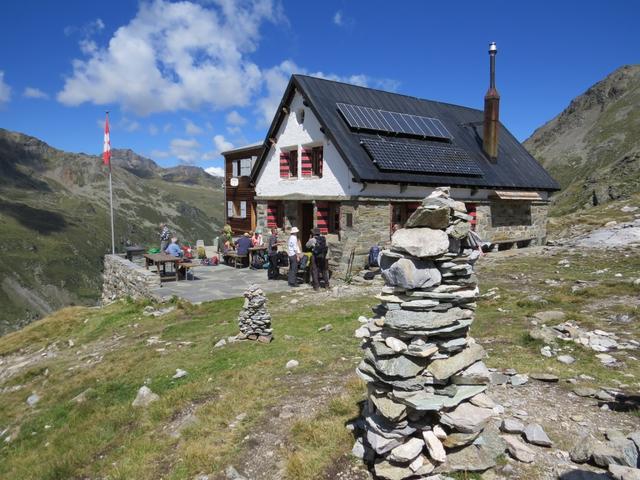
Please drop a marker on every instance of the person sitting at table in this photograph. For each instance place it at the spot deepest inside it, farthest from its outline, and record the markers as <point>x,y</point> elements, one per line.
<point>243,244</point>
<point>256,239</point>
<point>174,249</point>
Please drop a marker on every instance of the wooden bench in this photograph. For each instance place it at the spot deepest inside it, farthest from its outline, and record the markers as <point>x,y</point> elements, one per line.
<point>509,243</point>
<point>235,257</point>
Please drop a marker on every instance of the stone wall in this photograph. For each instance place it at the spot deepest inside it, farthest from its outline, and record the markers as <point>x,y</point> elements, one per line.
<point>514,220</point>
<point>366,223</point>
<point>122,278</point>
<point>363,224</point>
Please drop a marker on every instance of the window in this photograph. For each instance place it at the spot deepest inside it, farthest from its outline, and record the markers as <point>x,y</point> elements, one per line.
<point>293,163</point>
<point>316,161</point>
<point>245,167</point>
<point>289,164</point>
<point>237,209</point>
<point>275,215</point>
<point>328,217</point>
<point>312,162</point>
<point>241,168</point>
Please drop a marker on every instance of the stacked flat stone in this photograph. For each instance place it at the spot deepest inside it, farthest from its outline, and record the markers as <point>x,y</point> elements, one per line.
<point>426,411</point>
<point>254,320</point>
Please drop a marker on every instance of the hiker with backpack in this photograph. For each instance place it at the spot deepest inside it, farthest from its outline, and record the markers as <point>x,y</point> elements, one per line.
<point>319,261</point>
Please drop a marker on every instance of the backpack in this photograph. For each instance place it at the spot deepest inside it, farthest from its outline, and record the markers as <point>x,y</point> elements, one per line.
<point>257,262</point>
<point>320,249</point>
<point>374,252</point>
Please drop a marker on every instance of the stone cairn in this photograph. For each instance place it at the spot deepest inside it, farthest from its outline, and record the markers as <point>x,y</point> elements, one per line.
<point>254,320</point>
<point>426,412</point>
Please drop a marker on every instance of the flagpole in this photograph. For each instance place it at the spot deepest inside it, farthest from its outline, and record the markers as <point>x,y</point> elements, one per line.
<point>108,153</point>
<point>113,236</point>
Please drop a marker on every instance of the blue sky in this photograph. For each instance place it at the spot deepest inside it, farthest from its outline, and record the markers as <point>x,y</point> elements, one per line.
<point>184,80</point>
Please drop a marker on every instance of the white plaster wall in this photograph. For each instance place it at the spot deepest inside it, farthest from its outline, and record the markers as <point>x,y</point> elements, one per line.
<point>336,178</point>
<point>335,181</point>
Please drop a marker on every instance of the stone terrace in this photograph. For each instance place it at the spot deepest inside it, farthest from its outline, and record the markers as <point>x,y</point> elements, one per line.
<point>124,278</point>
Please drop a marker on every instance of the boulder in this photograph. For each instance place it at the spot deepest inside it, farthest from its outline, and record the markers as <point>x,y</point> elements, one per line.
<point>144,397</point>
<point>534,433</point>
<point>466,418</point>
<point>410,321</point>
<point>481,455</point>
<point>544,377</point>
<point>443,369</point>
<point>619,472</point>
<point>458,230</point>
<point>519,450</point>
<point>409,273</point>
<point>476,374</point>
<point>434,446</point>
<point>457,440</point>
<point>388,408</point>
<point>434,215</point>
<point>406,452</point>
<point>619,452</point>
<point>401,366</point>
<point>511,425</point>
<point>420,242</point>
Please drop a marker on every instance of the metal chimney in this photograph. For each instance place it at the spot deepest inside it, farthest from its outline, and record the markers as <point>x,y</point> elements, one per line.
<point>491,109</point>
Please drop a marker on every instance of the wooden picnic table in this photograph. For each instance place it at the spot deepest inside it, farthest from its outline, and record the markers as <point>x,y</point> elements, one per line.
<point>160,260</point>
<point>253,250</point>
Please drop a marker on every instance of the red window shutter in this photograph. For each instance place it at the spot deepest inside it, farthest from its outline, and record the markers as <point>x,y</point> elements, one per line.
<point>274,215</point>
<point>471,210</point>
<point>306,162</point>
<point>322,218</point>
<point>284,164</point>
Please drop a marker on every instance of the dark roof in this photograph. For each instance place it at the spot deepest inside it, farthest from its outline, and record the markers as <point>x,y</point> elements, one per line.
<point>515,168</point>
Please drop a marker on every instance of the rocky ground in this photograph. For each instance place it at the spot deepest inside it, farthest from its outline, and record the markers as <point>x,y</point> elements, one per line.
<point>539,306</point>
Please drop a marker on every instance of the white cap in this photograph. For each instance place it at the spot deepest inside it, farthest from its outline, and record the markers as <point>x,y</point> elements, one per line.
<point>294,230</point>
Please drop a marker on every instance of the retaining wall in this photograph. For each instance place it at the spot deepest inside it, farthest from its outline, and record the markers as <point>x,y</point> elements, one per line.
<point>122,278</point>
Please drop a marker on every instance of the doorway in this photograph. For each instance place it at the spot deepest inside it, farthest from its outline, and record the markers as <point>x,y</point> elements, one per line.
<point>306,222</point>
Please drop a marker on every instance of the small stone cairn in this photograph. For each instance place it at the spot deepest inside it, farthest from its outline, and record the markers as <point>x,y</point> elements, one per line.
<point>426,412</point>
<point>254,319</point>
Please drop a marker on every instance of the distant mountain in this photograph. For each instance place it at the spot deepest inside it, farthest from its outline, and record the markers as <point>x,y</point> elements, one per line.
<point>54,219</point>
<point>593,147</point>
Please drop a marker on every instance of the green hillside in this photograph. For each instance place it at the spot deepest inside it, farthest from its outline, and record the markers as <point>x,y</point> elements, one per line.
<point>593,147</point>
<point>55,220</point>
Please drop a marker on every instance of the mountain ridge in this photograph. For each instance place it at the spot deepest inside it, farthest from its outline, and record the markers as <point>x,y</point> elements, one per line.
<point>54,210</point>
<point>592,147</point>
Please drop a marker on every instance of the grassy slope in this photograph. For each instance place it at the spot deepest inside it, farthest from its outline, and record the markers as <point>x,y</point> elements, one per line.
<point>52,243</point>
<point>106,437</point>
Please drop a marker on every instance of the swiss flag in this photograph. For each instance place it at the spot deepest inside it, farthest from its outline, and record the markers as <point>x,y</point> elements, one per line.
<point>106,152</point>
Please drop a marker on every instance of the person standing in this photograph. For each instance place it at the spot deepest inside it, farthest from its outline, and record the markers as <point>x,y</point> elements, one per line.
<point>319,264</point>
<point>272,251</point>
<point>165,235</point>
<point>293,250</point>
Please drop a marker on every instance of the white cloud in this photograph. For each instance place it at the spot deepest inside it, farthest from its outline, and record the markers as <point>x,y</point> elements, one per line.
<point>277,78</point>
<point>153,129</point>
<point>234,130</point>
<point>185,150</point>
<point>32,92</point>
<point>215,171</point>
<point>167,127</point>
<point>191,128</point>
<point>128,125</point>
<point>337,18</point>
<point>234,118</point>
<point>175,56</point>
<point>5,90</point>
<point>221,143</point>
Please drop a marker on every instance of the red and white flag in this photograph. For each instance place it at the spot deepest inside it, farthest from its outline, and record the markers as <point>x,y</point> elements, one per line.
<point>106,152</point>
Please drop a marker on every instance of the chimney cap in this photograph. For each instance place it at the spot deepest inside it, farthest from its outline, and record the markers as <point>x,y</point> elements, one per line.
<point>493,48</point>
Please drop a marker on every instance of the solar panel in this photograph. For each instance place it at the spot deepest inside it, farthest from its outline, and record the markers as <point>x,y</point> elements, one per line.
<point>432,157</point>
<point>367,118</point>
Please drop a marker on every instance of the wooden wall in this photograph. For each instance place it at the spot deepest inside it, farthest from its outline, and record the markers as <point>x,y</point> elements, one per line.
<point>243,192</point>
